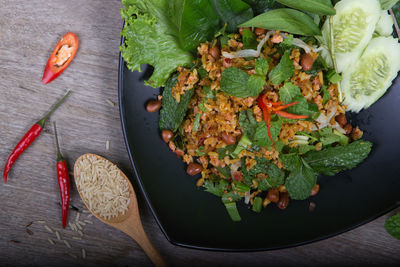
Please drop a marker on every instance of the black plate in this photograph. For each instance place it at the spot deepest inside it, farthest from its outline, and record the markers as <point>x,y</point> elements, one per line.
<point>192,218</point>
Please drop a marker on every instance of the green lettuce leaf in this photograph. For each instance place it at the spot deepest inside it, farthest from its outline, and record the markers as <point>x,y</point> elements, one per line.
<point>392,225</point>
<point>151,38</point>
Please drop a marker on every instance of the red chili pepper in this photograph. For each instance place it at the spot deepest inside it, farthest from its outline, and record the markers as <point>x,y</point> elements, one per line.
<point>63,181</point>
<point>28,138</point>
<point>277,108</point>
<point>61,57</point>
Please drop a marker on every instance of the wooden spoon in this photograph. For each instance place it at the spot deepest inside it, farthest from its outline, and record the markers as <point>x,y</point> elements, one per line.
<point>128,223</point>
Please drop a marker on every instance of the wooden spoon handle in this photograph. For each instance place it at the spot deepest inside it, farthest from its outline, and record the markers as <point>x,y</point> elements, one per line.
<point>136,231</point>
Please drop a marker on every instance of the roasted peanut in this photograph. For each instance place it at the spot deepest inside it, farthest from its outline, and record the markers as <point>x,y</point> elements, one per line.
<point>348,128</point>
<point>214,52</point>
<point>306,62</point>
<point>194,168</point>
<point>283,201</point>
<point>167,135</point>
<point>228,139</point>
<point>259,31</point>
<point>315,190</point>
<point>273,195</point>
<point>341,119</point>
<point>153,105</point>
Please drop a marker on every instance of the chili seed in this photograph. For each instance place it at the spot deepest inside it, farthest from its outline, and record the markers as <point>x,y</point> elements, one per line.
<point>194,168</point>
<point>153,105</point>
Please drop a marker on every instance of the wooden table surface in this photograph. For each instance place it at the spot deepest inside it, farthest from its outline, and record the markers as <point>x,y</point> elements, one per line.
<point>28,32</point>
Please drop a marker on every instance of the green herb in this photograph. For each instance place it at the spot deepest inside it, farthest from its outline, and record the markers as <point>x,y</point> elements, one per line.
<point>249,39</point>
<point>303,149</point>
<point>388,4</point>
<point>288,92</point>
<point>276,176</point>
<point>261,6</point>
<point>244,143</point>
<point>210,94</point>
<point>287,20</point>
<point>283,71</point>
<point>200,151</point>
<point>257,204</point>
<point>202,107</point>
<point>196,122</point>
<point>313,6</point>
<point>262,66</point>
<point>303,107</point>
<point>290,161</point>
<point>287,44</point>
<point>301,180</point>
<point>326,94</point>
<point>232,211</point>
<point>248,123</point>
<point>198,21</point>
<point>202,73</point>
<point>172,112</point>
<point>230,197</point>
<point>225,151</point>
<point>238,83</point>
<point>150,39</point>
<point>261,137</point>
<point>226,171</point>
<point>333,76</point>
<point>392,225</point>
<point>332,160</point>
<point>217,188</point>
<point>240,187</point>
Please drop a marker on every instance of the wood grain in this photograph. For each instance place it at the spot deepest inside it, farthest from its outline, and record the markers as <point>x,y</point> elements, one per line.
<point>28,32</point>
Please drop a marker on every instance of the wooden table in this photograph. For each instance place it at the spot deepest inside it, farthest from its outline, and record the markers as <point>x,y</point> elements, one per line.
<point>28,32</point>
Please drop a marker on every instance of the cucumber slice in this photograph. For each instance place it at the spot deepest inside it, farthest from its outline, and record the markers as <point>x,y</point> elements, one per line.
<point>353,26</point>
<point>385,24</point>
<point>366,80</point>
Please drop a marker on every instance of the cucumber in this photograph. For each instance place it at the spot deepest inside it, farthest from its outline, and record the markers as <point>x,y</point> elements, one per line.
<point>367,79</point>
<point>353,26</point>
<point>385,24</point>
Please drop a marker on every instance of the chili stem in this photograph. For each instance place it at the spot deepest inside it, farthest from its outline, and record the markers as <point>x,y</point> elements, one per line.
<point>42,121</point>
<point>59,156</point>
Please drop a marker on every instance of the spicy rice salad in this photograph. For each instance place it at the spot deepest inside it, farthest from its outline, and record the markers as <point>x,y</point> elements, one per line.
<point>254,107</point>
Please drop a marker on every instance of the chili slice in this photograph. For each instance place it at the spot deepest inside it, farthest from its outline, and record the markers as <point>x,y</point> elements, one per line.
<point>62,55</point>
<point>63,181</point>
<point>29,137</point>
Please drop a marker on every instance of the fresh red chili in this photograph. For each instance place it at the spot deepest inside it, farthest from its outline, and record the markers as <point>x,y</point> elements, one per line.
<point>29,137</point>
<point>63,181</point>
<point>277,108</point>
<point>62,55</point>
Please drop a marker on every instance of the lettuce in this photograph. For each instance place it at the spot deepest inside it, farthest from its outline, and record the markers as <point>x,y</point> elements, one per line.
<point>151,38</point>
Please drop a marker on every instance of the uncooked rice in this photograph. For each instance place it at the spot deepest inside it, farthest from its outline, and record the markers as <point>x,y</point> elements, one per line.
<point>67,243</point>
<point>83,253</point>
<point>51,241</point>
<point>102,187</point>
<point>48,229</point>
<point>58,235</point>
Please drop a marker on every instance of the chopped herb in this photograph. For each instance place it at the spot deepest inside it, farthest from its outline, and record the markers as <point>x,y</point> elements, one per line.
<point>249,39</point>
<point>326,94</point>
<point>202,107</point>
<point>262,66</point>
<point>200,151</point>
<point>257,204</point>
<point>226,171</point>
<point>196,122</point>
<point>283,71</point>
<point>333,76</point>
<point>216,188</point>
<point>232,211</point>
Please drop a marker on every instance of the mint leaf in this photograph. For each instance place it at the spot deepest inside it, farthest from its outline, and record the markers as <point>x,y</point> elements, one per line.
<point>283,71</point>
<point>225,151</point>
<point>392,226</point>
<point>290,161</point>
<point>261,137</point>
<point>248,123</point>
<point>276,176</point>
<point>332,160</point>
<point>255,85</point>
<point>288,92</point>
<point>249,39</point>
<point>262,66</point>
<point>238,83</point>
<point>216,188</point>
<point>172,112</point>
<point>300,182</point>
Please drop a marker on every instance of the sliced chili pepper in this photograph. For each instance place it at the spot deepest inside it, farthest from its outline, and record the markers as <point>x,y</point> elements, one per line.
<point>29,137</point>
<point>63,181</point>
<point>277,108</point>
<point>61,57</point>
